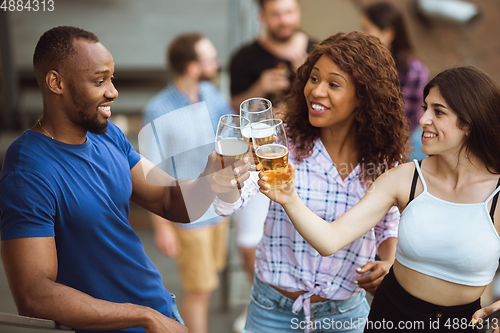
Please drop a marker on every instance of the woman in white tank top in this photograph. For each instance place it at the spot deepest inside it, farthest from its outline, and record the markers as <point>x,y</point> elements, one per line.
<point>448,241</point>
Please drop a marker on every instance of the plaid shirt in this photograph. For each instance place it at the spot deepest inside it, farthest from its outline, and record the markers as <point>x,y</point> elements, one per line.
<point>287,261</point>
<point>412,87</point>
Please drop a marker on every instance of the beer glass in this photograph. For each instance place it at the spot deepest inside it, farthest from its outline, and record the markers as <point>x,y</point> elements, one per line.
<point>271,147</point>
<point>255,109</point>
<point>231,147</point>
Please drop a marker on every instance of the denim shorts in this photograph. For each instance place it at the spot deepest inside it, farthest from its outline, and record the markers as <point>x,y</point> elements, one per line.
<point>175,311</point>
<point>270,311</point>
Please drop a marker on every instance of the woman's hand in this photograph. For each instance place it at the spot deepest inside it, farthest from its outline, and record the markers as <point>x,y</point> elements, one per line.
<point>481,313</point>
<point>282,196</point>
<point>378,270</point>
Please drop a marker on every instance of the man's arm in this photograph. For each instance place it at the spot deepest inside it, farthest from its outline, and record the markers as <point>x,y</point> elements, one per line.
<point>31,268</point>
<point>181,200</point>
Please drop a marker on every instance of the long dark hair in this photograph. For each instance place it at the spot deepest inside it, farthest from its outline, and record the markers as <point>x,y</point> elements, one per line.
<point>380,123</point>
<point>475,98</point>
<point>385,15</point>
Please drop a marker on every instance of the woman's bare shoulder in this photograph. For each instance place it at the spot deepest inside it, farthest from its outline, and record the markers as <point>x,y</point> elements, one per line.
<point>402,171</point>
<point>397,181</point>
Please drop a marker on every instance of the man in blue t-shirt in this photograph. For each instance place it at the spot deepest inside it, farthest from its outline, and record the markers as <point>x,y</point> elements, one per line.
<point>68,250</point>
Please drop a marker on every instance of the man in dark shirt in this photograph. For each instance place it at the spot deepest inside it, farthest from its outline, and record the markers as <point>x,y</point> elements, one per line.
<point>265,67</point>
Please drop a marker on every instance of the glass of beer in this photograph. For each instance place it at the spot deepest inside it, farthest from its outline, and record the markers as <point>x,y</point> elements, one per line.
<point>255,109</point>
<point>231,147</point>
<point>272,151</point>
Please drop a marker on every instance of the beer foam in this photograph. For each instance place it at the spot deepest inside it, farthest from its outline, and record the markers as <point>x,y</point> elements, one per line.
<point>271,151</point>
<point>259,131</point>
<point>231,147</point>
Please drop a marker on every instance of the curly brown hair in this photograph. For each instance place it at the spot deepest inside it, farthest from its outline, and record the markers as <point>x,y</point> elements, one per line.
<point>381,126</point>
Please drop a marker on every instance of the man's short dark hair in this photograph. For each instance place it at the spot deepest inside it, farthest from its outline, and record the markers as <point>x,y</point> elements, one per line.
<point>55,47</point>
<point>261,3</point>
<point>181,52</point>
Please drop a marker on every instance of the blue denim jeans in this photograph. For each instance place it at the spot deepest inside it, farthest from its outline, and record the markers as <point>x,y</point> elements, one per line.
<point>175,311</point>
<point>270,311</point>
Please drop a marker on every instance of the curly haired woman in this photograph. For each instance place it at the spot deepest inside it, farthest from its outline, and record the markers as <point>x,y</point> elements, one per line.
<point>346,126</point>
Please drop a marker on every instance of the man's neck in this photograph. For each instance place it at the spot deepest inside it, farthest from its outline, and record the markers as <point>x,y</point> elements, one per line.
<point>293,50</point>
<point>188,86</point>
<point>59,128</point>
<point>268,39</point>
<point>298,41</point>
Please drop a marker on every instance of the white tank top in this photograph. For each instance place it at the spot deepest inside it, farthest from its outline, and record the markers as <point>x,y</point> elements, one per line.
<point>455,242</point>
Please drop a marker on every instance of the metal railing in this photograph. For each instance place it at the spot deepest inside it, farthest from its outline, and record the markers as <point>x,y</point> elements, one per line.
<point>29,322</point>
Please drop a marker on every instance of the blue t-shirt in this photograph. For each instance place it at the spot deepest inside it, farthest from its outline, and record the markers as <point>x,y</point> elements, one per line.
<point>80,195</point>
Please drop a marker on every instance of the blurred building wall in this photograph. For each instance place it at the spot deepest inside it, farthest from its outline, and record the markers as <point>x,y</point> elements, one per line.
<point>323,18</point>
<point>135,31</point>
<point>439,44</point>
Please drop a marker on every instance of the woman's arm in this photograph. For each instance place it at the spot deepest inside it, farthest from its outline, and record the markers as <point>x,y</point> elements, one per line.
<point>477,317</point>
<point>225,207</point>
<point>379,268</point>
<point>328,238</point>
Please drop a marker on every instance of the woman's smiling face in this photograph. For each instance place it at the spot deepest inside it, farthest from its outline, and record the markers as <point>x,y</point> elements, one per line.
<point>330,95</point>
<point>440,126</point>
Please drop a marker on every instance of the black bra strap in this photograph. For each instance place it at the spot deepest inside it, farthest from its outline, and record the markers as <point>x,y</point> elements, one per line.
<point>494,203</point>
<point>414,183</point>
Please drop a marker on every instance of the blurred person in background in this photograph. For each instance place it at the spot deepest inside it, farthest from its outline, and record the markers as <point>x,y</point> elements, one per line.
<point>199,248</point>
<point>384,21</point>
<point>265,68</point>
